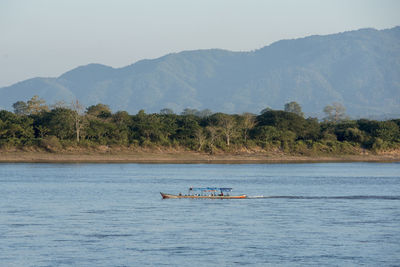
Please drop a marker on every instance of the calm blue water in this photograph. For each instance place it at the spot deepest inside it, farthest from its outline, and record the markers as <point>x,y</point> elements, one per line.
<point>113,215</point>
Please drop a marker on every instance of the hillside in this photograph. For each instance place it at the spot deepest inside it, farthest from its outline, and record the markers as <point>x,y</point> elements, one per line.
<point>360,69</point>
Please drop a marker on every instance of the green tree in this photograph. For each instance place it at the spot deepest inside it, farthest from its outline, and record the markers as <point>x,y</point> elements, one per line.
<point>385,130</point>
<point>354,135</point>
<point>294,107</point>
<point>61,123</point>
<point>312,130</point>
<point>100,110</point>
<point>388,131</point>
<point>189,111</point>
<point>15,129</point>
<point>147,127</point>
<point>121,118</point>
<point>42,130</point>
<point>284,121</point>
<point>123,122</point>
<point>266,134</point>
<point>186,131</point>
<point>168,125</point>
<point>265,110</point>
<point>20,108</point>
<point>166,111</point>
<point>204,113</point>
<point>101,132</point>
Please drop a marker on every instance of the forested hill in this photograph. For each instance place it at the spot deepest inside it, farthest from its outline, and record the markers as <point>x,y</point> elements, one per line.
<point>360,69</point>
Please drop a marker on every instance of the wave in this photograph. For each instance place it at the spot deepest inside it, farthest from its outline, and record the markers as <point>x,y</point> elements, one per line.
<point>366,197</point>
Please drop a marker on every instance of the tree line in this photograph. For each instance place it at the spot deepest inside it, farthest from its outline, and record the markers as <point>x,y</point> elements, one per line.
<point>61,126</point>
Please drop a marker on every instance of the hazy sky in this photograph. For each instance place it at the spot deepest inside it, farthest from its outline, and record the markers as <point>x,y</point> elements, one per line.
<point>49,37</point>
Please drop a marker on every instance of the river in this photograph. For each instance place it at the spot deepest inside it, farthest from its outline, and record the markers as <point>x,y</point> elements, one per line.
<point>320,214</point>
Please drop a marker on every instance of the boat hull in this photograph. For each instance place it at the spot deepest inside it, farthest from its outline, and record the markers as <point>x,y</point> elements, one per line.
<point>165,196</point>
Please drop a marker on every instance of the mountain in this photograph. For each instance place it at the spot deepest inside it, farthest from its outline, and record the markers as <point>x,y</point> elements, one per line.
<point>360,69</point>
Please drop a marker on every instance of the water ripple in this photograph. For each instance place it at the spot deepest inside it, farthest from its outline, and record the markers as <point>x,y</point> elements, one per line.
<point>331,197</point>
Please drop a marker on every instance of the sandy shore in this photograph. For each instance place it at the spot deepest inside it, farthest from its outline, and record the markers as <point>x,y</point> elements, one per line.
<point>183,157</point>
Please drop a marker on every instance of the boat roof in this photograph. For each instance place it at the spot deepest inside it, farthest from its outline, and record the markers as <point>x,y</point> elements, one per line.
<point>209,189</point>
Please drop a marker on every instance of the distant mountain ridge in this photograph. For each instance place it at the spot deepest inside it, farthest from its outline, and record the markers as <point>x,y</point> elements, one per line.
<point>360,69</point>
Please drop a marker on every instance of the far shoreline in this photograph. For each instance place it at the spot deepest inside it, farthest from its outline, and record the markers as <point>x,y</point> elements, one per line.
<point>185,157</point>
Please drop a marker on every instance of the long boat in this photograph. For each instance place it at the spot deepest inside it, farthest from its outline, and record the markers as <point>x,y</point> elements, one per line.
<point>205,192</point>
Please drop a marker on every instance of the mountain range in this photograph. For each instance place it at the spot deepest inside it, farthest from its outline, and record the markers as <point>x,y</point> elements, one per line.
<point>360,69</point>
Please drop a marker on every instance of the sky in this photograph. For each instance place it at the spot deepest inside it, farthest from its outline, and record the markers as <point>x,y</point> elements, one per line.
<point>45,38</point>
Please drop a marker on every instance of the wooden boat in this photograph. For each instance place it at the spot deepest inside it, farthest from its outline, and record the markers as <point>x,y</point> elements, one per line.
<point>205,192</point>
<point>194,196</point>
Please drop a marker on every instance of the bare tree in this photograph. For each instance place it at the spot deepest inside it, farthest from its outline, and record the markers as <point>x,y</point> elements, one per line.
<point>36,105</point>
<point>167,111</point>
<point>201,138</point>
<point>335,112</point>
<point>213,134</point>
<point>59,104</point>
<point>228,127</point>
<point>248,123</point>
<point>78,118</point>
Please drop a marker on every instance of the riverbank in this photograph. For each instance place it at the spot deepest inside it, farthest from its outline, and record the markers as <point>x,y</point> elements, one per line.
<point>178,156</point>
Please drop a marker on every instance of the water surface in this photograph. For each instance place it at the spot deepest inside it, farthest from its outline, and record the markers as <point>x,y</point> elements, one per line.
<point>112,215</point>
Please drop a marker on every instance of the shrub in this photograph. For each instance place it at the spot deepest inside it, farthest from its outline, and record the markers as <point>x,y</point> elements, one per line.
<point>51,143</point>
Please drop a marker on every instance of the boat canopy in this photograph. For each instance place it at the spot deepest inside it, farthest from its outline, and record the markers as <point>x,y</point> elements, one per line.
<point>211,189</point>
